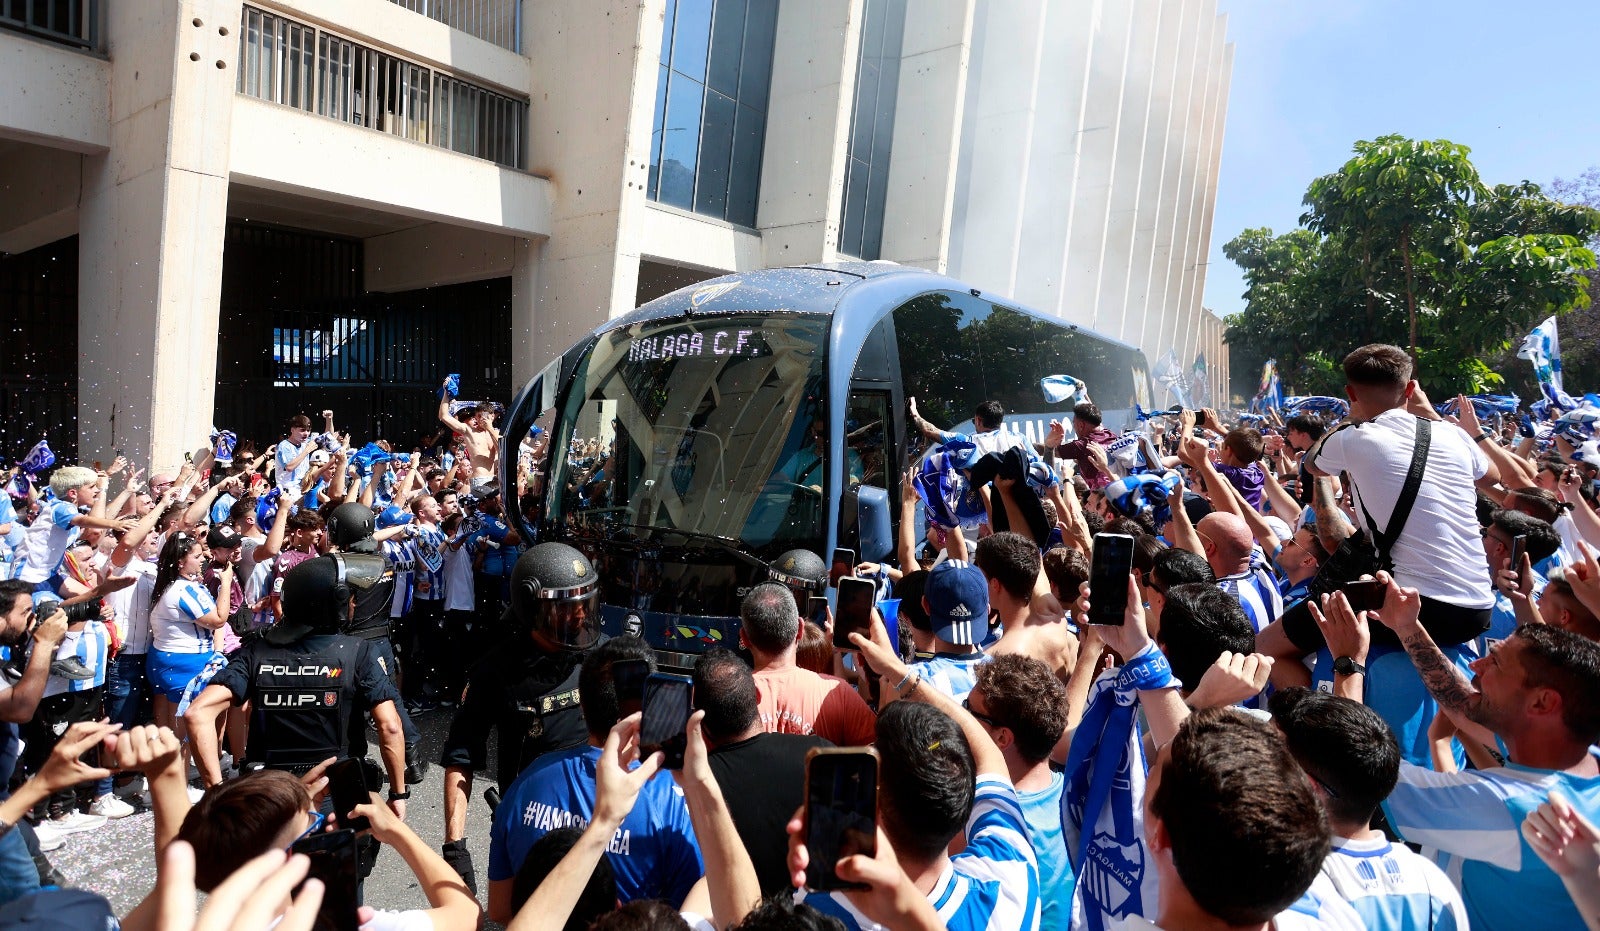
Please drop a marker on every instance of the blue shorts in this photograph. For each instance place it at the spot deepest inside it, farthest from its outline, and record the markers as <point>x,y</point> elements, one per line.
<point>170,673</point>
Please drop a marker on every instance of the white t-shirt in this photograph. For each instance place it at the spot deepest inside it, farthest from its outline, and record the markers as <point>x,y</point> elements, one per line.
<point>1440,550</point>
<point>459,594</point>
<point>131,606</point>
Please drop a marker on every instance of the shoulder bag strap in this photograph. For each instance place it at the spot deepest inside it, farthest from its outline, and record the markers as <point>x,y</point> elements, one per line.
<point>1408,492</point>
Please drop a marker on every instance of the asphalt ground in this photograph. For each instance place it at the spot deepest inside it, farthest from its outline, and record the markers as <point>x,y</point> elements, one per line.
<point>117,860</point>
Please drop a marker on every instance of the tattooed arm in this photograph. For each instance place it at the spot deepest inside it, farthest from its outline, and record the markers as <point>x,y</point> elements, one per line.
<point>1445,681</point>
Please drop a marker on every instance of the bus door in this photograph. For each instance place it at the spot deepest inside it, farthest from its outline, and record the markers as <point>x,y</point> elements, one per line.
<point>872,471</point>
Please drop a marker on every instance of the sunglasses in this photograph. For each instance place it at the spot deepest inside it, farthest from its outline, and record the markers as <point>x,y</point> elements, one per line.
<point>318,819</point>
<point>967,704</point>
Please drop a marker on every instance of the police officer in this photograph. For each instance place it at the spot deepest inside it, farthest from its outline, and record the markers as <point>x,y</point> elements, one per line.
<point>371,577</point>
<point>528,689</point>
<point>304,680</point>
<point>803,571</point>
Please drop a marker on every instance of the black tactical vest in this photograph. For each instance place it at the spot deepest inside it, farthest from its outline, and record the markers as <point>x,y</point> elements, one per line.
<point>371,580</point>
<point>302,700</point>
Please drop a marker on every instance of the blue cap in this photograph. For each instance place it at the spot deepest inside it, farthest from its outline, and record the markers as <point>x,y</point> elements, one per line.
<point>958,602</point>
<point>392,516</point>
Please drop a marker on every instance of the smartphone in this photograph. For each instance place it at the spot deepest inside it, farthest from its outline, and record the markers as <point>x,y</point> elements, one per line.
<point>333,860</point>
<point>844,563</point>
<point>817,610</point>
<point>1365,595</point>
<point>1519,543</point>
<point>668,702</point>
<point>347,783</point>
<point>841,811</point>
<point>1108,578</point>
<point>628,678</point>
<point>855,610</point>
<point>1200,418</point>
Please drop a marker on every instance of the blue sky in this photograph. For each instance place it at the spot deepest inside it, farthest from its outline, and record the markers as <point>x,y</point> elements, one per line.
<point>1515,81</point>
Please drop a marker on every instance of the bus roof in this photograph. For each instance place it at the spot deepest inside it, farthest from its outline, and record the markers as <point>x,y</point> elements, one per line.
<point>874,287</point>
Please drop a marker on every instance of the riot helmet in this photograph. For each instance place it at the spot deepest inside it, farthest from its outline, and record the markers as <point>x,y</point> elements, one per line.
<point>803,571</point>
<point>349,524</point>
<point>556,594</point>
<point>316,600</point>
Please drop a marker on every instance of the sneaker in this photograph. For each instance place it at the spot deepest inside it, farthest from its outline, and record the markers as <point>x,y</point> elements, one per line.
<point>76,823</point>
<point>132,789</point>
<point>111,807</point>
<point>49,838</point>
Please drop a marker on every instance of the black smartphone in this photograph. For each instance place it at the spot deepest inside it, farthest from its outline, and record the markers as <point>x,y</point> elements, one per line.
<point>855,610</point>
<point>628,678</point>
<point>333,860</point>
<point>1108,578</point>
<point>841,811</point>
<point>1519,543</point>
<point>817,610</point>
<point>1364,595</point>
<point>1200,418</point>
<point>347,783</point>
<point>844,563</point>
<point>668,702</point>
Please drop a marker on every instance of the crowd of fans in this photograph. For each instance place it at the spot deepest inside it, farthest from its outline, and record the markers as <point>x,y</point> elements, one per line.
<point>1354,683</point>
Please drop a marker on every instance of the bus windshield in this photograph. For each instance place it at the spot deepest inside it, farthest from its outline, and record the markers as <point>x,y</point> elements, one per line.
<point>702,425</point>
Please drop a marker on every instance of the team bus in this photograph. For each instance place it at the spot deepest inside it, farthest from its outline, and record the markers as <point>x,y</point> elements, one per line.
<point>693,441</point>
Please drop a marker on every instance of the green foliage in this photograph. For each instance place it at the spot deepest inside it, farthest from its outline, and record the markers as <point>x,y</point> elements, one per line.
<point>1404,244</point>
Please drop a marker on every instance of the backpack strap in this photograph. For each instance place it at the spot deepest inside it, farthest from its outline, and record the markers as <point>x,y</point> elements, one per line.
<point>1385,540</point>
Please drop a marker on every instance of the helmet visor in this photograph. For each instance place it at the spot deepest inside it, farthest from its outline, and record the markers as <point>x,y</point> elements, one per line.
<point>573,621</point>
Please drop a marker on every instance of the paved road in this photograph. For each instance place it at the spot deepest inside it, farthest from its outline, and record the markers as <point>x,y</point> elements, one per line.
<point>117,860</point>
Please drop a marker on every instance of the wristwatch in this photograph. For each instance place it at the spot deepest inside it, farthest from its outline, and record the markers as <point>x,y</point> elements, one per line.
<point>399,796</point>
<point>1345,666</point>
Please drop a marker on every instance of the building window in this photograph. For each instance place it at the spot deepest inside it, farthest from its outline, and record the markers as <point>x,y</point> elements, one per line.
<point>866,174</point>
<point>711,106</point>
<point>290,63</point>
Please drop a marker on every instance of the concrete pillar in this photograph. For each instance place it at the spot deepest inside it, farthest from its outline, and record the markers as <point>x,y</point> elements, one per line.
<point>1153,194</point>
<point>1162,317</point>
<point>929,105</point>
<point>1113,318</point>
<point>528,351</point>
<point>594,146</point>
<point>152,223</point>
<point>808,130</point>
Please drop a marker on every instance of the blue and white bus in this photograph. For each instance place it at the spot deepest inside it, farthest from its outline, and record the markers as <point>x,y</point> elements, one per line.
<point>711,430</point>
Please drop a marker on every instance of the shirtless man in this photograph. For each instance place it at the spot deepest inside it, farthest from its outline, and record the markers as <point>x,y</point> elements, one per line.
<point>1035,622</point>
<point>483,441</point>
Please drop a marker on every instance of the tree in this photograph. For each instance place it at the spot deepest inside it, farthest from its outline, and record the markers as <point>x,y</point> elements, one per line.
<point>1405,244</point>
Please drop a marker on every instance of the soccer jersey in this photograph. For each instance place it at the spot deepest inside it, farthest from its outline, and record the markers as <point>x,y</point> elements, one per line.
<point>286,454</point>
<point>1257,593</point>
<point>425,559</point>
<point>90,647</point>
<point>1474,819</point>
<point>953,675</point>
<point>459,591</point>
<point>1391,888</point>
<point>174,620</point>
<point>992,884</point>
<point>653,853</point>
<point>1042,810</point>
<point>47,541</point>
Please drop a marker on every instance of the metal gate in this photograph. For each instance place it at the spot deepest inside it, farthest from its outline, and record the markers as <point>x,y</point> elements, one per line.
<point>39,333</point>
<point>298,336</point>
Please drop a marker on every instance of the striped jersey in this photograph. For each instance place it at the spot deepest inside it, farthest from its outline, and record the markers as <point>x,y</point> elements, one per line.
<point>1474,821</point>
<point>90,646</point>
<point>1391,888</point>
<point>992,884</point>
<point>49,537</point>
<point>174,621</point>
<point>1257,592</point>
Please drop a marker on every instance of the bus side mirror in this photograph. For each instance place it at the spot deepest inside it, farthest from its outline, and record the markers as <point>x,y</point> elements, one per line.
<point>874,530</point>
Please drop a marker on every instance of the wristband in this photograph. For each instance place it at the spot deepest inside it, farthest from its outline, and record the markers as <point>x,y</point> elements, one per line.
<point>1481,437</point>
<point>1146,671</point>
<point>903,680</point>
<point>399,796</point>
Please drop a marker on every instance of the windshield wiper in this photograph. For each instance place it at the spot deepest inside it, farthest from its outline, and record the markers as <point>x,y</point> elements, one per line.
<point>730,542</point>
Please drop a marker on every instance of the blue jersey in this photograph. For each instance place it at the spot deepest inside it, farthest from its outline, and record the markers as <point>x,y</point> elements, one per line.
<point>90,647</point>
<point>993,883</point>
<point>500,559</point>
<point>1395,691</point>
<point>1391,888</point>
<point>654,853</point>
<point>49,536</point>
<point>1474,819</point>
<point>1042,810</point>
<point>424,556</point>
<point>954,676</point>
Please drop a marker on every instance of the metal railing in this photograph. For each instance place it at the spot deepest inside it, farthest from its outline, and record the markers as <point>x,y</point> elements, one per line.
<point>497,21</point>
<point>70,22</point>
<point>297,65</point>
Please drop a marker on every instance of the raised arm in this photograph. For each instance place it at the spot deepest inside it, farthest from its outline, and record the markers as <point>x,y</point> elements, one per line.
<point>929,431</point>
<point>906,551</point>
<point>446,418</point>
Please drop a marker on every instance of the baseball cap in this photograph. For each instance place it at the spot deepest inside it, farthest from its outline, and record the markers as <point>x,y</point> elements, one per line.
<point>958,602</point>
<point>320,457</point>
<point>222,538</point>
<point>393,517</point>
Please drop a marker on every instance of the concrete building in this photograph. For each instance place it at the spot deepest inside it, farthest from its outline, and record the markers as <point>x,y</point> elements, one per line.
<point>225,212</point>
